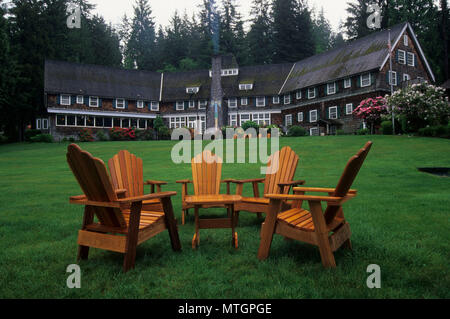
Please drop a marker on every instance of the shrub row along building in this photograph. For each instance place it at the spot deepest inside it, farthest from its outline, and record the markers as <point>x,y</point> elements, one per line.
<point>318,93</point>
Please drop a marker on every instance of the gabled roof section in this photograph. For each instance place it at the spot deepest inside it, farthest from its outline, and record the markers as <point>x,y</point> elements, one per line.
<point>175,84</point>
<point>96,80</point>
<point>362,55</point>
<point>266,79</point>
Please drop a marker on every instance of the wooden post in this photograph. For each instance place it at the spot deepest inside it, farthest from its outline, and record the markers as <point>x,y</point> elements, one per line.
<point>88,218</point>
<point>171,223</point>
<point>321,232</point>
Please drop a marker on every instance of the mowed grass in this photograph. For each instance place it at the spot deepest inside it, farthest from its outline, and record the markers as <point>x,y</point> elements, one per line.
<point>399,220</point>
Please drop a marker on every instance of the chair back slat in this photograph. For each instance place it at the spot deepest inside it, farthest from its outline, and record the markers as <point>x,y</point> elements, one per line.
<point>127,173</point>
<point>346,181</point>
<point>206,173</point>
<point>96,184</point>
<point>283,170</point>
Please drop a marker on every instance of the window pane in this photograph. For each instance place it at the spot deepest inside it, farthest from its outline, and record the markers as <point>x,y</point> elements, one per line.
<point>107,122</point>
<point>71,120</point>
<point>116,122</point>
<point>141,124</point>
<point>99,122</point>
<point>125,123</point>
<point>61,120</point>
<point>80,120</point>
<point>90,121</point>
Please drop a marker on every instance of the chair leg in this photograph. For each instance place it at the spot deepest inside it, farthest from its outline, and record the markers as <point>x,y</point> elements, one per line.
<point>347,244</point>
<point>268,229</point>
<point>183,217</point>
<point>88,218</point>
<point>171,224</point>
<point>132,236</point>
<point>321,232</point>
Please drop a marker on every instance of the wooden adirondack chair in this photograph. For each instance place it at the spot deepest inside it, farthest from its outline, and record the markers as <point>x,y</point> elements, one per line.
<point>327,230</point>
<point>205,180</point>
<point>122,224</point>
<point>277,181</point>
<point>127,173</point>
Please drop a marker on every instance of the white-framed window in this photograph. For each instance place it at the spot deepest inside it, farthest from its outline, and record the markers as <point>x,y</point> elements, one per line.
<point>233,120</point>
<point>276,100</point>
<point>287,99</point>
<point>288,120</point>
<point>42,124</point>
<point>365,80</point>
<point>232,102</point>
<point>298,95</point>
<point>410,59</point>
<point>349,108</point>
<point>230,72</point>
<point>313,116</point>
<point>406,77</point>
<point>154,106</point>
<point>244,118</point>
<point>107,122</point>
<point>93,101</point>
<point>401,56</point>
<point>331,88</point>
<point>311,93</point>
<point>300,117</point>
<point>347,83</point>
<point>314,131</point>
<point>260,101</point>
<point>141,124</point>
<point>177,122</point>
<point>244,101</point>
<point>262,119</point>
<point>192,90</point>
<point>333,112</point>
<point>246,87</point>
<point>120,103</point>
<point>65,99</point>
<point>81,121</point>
<point>202,104</point>
<point>80,99</point>
<point>180,106</point>
<point>60,120</point>
<point>140,104</point>
<point>405,40</point>
<point>191,104</point>
<point>392,78</point>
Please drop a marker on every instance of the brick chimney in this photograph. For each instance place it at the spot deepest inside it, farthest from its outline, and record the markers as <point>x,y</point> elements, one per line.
<point>215,108</point>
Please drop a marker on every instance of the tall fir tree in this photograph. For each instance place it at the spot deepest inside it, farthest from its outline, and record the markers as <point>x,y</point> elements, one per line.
<point>260,36</point>
<point>293,35</point>
<point>141,45</point>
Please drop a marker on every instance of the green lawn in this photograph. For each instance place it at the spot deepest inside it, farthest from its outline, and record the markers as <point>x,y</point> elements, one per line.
<point>400,221</point>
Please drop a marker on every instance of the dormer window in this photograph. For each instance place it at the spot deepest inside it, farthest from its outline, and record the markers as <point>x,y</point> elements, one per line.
<point>93,101</point>
<point>192,90</point>
<point>202,104</point>
<point>120,104</point>
<point>230,72</point>
<point>232,102</point>
<point>65,99</point>
<point>260,101</point>
<point>191,104</point>
<point>180,106</point>
<point>246,87</point>
<point>154,106</point>
<point>140,104</point>
<point>331,88</point>
<point>311,93</point>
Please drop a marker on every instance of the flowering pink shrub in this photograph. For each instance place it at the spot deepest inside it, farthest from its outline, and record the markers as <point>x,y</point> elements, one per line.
<point>371,110</point>
<point>86,135</point>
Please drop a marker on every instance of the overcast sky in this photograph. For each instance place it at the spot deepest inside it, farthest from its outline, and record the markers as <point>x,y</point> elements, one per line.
<point>113,10</point>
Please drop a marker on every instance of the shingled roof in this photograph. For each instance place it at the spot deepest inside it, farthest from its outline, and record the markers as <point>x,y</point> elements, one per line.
<point>175,84</point>
<point>359,56</point>
<point>95,80</point>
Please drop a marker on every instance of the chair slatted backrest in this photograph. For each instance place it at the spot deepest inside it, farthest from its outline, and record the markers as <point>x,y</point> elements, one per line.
<point>95,182</point>
<point>127,173</point>
<point>282,166</point>
<point>346,181</point>
<point>206,173</point>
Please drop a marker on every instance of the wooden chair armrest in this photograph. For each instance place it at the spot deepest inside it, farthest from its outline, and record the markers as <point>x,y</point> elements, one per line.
<point>292,183</point>
<point>229,180</point>
<point>184,181</point>
<point>321,190</point>
<point>332,201</point>
<point>245,181</point>
<point>146,197</point>
<point>82,200</point>
<point>150,182</point>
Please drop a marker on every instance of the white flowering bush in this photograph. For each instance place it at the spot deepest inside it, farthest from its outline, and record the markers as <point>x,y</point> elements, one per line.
<point>420,105</point>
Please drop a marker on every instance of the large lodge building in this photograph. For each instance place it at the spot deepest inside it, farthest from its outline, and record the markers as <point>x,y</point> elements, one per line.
<point>318,93</point>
